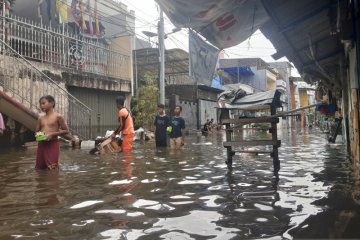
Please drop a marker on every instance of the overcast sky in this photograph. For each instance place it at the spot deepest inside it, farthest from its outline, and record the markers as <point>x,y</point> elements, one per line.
<point>147,16</point>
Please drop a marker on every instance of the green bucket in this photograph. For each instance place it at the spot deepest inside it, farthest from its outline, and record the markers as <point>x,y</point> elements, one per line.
<point>40,136</point>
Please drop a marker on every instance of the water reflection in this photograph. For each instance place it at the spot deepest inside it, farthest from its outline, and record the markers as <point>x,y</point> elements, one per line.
<point>47,188</point>
<point>188,194</point>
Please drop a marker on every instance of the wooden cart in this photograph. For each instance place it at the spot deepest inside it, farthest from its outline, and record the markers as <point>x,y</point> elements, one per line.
<point>269,100</point>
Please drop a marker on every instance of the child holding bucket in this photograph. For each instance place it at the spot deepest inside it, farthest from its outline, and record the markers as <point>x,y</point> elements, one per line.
<point>49,127</point>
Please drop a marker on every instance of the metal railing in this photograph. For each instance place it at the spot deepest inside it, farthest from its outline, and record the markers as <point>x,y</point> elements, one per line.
<point>58,46</point>
<point>27,84</point>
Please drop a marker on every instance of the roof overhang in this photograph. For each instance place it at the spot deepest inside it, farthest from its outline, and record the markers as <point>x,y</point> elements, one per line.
<point>309,33</point>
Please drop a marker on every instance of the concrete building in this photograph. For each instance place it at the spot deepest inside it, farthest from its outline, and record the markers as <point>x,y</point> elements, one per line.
<point>306,94</point>
<point>85,49</point>
<point>250,71</point>
<point>284,73</point>
<point>198,101</point>
<point>146,60</point>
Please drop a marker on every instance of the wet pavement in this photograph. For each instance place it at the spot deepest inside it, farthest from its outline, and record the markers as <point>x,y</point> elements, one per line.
<point>189,194</point>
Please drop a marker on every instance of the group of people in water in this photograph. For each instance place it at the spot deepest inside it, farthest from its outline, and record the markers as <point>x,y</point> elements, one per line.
<point>52,125</point>
<point>208,126</point>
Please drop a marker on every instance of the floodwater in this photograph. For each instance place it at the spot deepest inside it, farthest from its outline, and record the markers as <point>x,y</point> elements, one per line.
<point>189,194</point>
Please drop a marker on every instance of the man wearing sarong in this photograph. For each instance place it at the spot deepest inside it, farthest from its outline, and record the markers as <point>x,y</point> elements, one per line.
<point>126,125</point>
<point>52,125</point>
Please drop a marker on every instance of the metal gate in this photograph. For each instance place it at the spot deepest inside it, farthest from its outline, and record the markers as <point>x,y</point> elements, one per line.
<point>104,114</point>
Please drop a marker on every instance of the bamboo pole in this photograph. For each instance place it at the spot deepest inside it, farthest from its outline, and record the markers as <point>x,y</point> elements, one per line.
<point>280,114</point>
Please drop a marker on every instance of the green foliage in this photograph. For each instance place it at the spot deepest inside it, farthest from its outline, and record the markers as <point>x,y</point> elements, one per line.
<point>145,103</point>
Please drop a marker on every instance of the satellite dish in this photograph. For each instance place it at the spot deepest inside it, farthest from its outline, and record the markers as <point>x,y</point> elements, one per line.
<point>149,34</point>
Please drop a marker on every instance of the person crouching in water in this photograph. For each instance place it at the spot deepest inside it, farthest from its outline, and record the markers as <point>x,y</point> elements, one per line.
<point>50,126</point>
<point>126,126</point>
<point>177,133</point>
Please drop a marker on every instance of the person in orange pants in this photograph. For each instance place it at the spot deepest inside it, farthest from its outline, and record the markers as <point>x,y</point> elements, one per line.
<point>126,125</point>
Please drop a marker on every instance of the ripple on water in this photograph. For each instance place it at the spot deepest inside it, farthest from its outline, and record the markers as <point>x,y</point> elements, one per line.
<point>141,203</point>
<point>244,184</point>
<point>85,204</point>
<point>190,178</point>
<point>217,187</point>
<point>180,197</point>
<point>34,235</point>
<point>188,182</point>
<point>211,200</point>
<point>111,211</point>
<point>262,219</point>
<point>116,234</point>
<point>135,214</point>
<point>42,223</point>
<point>83,223</point>
<point>181,202</point>
<point>197,200</point>
<point>119,182</point>
<point>156,190</point>
<point>149,180</point>
<point>176,235</point>
<point>263,207</point>
<point>160,208</point>
<point>152,205</point>
<point>217,177</point>
<point>201,223</point>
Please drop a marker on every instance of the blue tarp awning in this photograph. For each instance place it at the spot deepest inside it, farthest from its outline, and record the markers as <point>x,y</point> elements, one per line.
<point>235,71</point>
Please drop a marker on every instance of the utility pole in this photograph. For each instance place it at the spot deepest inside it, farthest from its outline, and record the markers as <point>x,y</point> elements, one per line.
<point>161,57</point>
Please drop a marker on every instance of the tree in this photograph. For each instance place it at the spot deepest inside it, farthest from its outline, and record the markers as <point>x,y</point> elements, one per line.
<point>145,103</point>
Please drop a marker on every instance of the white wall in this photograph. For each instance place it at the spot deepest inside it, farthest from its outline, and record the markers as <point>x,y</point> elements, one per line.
<point>207,111</point>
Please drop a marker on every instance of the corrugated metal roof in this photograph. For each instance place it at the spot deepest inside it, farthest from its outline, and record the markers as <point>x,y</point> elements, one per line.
<point>176,60</point>
<point>243,62</point>
<point>306,32</point>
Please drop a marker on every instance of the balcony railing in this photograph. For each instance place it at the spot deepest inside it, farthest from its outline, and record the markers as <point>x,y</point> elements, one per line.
<point>26,83</point>
<point>60,47</point>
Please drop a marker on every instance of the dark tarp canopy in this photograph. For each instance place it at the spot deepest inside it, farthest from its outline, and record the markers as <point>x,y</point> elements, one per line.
<point>255,102</point>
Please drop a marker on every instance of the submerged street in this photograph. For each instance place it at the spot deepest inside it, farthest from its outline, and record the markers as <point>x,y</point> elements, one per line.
<point>189,194</point>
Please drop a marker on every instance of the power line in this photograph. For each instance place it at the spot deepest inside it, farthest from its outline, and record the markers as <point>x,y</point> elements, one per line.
<point>122,11</point>
<point>127,25</point>
<point>106,16</point>
<point>171,38</point>
<point>116,24</point>
<point>242,55</point>
<point>176,41</point>
<point>128,3</point>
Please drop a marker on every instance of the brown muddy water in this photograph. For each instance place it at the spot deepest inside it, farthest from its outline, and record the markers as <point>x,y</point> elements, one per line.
<point>189,194</point>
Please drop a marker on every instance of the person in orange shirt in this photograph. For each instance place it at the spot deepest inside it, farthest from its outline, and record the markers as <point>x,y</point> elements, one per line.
<point>126,125</point>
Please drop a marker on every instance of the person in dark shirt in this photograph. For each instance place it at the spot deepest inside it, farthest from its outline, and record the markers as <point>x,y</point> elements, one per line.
<point>177,133</point>
<point>206,129</point>
<point>162,121</point>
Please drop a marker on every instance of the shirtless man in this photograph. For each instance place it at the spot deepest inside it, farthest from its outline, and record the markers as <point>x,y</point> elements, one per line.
<point>53,125</point>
